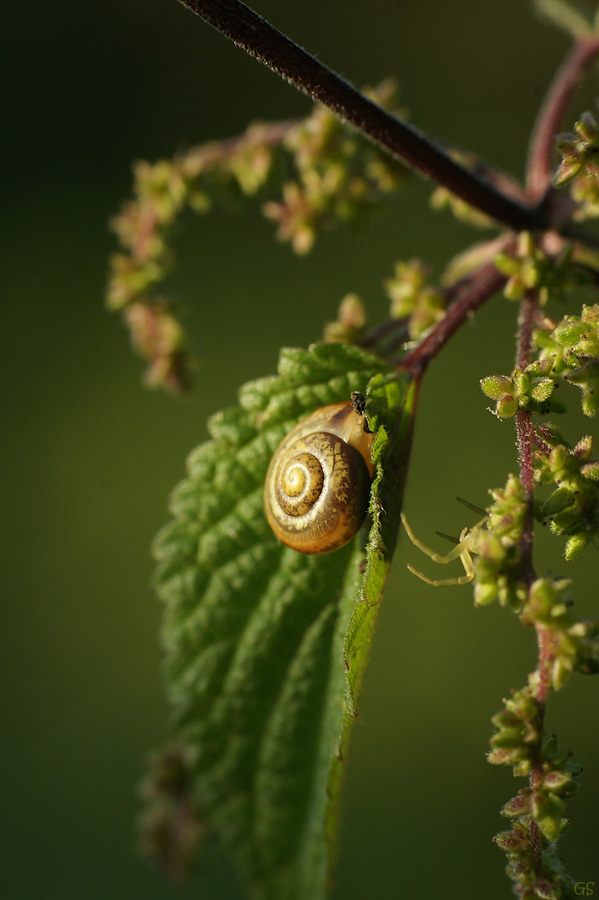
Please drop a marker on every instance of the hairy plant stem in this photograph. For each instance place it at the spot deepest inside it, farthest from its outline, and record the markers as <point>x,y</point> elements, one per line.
<point>529,311</point>
<point>542,684</point>
<point>260,39</point>
<point>540,166</point>
<point>524,432</point>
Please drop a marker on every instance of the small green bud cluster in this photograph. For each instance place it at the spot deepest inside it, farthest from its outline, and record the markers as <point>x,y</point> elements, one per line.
<point>412,298</point>
<point>171,830</point>
<point>574,643</point>
<point>518,731</point>
<point>538,809</point>
<point>528,388</point>
<point>573,507</point>
<point>556,781</point>
<point>349,326</point>
<point>141,225</point>
<point>531,269</point>
<point>337,176</point>
<point>572,349</point>
<point>214,171</point>
<point>579,150</point>
<point>498,565</point>
<point>580,165</point>
<point>533,881</point>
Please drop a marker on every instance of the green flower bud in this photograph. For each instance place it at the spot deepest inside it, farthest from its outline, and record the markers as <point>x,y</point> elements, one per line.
<point>506,406</point>
<point>512,840</point>
<point>515,288</point>
<point>575,544</point>
<point>560,672</point>
<point>526,244</point>
<point>590,398</point>
<point>557,780</point>
<point>560,499</point>
<point>503,756</point>
<point>583,449</point>
<point>507,738</point>
<point>542,388</point>
<point>509,265</point>
<point>520,805</point>
<point>591,470</point>
<point>587,128</point>
<point>551,829</point>
<point>485,593</point>
<point>569,331</point>
<point>496,386</point>
<point>568,169</point>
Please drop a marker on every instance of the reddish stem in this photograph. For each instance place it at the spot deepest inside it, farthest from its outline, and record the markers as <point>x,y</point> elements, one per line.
<point>540,164</point>
<point>481,286</point>
<point>525,431</point>
<point>529,311</point>
<point>269,134</point>
<point>526,322</point>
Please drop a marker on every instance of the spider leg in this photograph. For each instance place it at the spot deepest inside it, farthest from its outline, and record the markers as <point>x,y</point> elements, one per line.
<point>461,551</point>
<point>441,582</point>
<point>457,551</point>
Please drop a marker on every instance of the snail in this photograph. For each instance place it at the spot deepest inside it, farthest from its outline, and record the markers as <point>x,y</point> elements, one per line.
<point>318,482</point>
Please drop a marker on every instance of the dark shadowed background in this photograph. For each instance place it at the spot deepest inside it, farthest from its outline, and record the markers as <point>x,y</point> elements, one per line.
<point>89,457</point>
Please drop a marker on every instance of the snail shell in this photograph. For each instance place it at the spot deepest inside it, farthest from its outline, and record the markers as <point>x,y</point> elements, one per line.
<point>318,482</point>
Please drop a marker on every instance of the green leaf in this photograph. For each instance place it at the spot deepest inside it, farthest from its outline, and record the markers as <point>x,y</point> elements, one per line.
<point>265,647</point>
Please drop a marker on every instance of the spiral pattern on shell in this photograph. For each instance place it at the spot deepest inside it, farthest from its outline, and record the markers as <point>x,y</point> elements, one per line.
<point>318,482</point>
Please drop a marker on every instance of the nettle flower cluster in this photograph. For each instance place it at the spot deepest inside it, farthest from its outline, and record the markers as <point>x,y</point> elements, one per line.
<point>329,175</point>
<point>566,352</point>
<point>579,168</point>
<point>568,645</point>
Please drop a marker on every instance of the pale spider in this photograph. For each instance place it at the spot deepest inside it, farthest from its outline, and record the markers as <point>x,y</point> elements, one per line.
<point>462,551</point>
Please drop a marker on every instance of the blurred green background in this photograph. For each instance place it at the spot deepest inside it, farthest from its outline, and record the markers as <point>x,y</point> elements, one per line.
<point>90,457</point>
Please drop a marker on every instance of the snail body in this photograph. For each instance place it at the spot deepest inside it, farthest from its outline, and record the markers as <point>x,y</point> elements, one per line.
<point>318,482</point>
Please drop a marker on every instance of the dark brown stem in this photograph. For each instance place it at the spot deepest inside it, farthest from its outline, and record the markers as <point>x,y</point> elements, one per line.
<point>261,40</point>
<point>567,78</point>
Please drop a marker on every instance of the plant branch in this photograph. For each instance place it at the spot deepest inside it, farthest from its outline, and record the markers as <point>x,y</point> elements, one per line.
<point>525,437</point>
<point>540,164</point>
<point>524,432</point>
<point>480,286</point>
<point>268,133</point>
<point>529,310</point>
<point>261,40</point>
